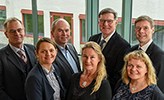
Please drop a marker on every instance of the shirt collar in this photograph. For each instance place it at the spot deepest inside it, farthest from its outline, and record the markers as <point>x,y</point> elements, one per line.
<point>62,48</point>
<point>46,71</point>
<point>15,49</point>
<point>144,47</point>
<point>107,38</point>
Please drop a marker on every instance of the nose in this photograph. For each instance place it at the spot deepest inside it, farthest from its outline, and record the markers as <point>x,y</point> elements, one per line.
<point>133,68</point>
<point>48,53</point>
<point>105,22</point>
<point>88,59</point>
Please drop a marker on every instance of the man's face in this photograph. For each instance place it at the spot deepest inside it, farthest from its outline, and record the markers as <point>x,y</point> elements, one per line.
<point>15,33</point>
<point>107,24</point>
<point>61,33</point>
<point>144,32</point>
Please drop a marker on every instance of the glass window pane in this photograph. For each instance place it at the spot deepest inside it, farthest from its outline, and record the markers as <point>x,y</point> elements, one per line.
<point>154,10</point>
<point>28,24</point>
<point>2,18</point>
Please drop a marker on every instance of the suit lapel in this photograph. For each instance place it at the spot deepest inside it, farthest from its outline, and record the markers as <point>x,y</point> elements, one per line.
<point>63,59</point>
<point>48,89</point>
<point>110,44</point>
<point>72,52</point>
<point>150,49</point>
<point>31,55</point>
<point>12,57</point>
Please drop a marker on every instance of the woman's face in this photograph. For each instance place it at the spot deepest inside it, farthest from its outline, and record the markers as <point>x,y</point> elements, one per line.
<point>136,69</point>
<point>46,54</point>
<point>90,60</point>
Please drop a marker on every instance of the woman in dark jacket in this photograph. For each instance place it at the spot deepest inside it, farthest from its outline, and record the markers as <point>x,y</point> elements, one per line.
<point>43,82</point>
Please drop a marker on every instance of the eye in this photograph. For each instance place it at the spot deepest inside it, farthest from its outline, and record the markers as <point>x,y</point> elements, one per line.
<point>129,65</point>
<point>52,50</point>
<point>60,30</point>
<point>67,30</point>
<point>139,67</point>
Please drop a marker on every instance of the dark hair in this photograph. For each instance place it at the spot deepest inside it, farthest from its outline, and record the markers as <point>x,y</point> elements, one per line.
<point>108,10</point>
<point>44,40</point>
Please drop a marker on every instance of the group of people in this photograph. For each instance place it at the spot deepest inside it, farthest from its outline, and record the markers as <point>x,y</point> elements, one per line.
<point>111,68</point>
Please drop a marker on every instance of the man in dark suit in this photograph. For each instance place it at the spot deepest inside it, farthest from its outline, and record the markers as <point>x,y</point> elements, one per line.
<point>14,69</point>
<point>114,47</point>
<point>67,59</point>
<point>144,29</point>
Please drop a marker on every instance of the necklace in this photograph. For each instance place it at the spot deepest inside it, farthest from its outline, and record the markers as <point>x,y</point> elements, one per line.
<point>133,88</point>
<point>84,84</point>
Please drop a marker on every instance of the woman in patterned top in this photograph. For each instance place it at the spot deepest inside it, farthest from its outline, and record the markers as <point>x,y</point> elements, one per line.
<point>138,79</point>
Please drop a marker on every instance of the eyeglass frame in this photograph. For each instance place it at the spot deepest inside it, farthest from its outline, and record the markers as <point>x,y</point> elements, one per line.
<point>109,21</point>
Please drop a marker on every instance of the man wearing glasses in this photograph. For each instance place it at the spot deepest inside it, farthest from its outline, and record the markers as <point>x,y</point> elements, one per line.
<point>113,46</point>
<point>16,60</point>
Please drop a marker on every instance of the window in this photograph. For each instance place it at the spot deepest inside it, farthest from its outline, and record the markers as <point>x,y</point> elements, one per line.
<point>83,35</point>
<point>27,20</point>
<point>2,16</point>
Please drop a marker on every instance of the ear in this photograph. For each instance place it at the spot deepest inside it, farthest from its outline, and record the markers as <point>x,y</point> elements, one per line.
<point>153,30</point>
<point>6,34</point>
<point>52,34</point>
<point>36,54</point>
<point>116,21</point>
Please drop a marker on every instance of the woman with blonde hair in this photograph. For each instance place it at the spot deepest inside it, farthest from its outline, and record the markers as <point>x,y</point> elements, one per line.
<point>91,83</point>
<point>138,79</point>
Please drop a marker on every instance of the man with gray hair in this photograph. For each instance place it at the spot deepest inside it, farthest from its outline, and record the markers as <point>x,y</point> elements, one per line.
<point>113,45</point>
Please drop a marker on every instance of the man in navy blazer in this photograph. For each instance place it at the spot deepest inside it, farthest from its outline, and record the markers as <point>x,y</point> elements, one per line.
<point>144,29</point>
<point>67,59</point>
<point>114,47</point>
<point>13,70</point>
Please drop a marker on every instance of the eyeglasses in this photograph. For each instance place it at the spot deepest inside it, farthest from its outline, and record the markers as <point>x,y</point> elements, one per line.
<point>108,21</point>
<point>19,30</point>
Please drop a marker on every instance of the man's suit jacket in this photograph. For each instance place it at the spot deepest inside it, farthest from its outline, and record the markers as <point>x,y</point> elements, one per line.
<point>157,57</point>
<point>12,73</point>
<point>114,52</point>
<point>37,86</point>
<point>64,67</point>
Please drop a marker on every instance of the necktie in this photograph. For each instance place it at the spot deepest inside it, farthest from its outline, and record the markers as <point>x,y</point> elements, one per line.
<point>102,43</point>
<point>22,55</point>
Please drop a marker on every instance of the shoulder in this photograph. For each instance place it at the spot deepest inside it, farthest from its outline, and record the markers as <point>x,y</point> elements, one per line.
<point>4,49</point>
<point>156,48</point>
<point>95,37</point>
<point>119,39</point>
<point>32,47</point>
<point>157,94</point>
<point>35,72</point>
<point>105,85</point>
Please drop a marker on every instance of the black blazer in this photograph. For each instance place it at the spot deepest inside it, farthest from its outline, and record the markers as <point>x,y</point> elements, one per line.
<point>114,52</point>
<point>37,86</point>
<point>157,57</point>
<point>64,67</point>
<point>12,73</point>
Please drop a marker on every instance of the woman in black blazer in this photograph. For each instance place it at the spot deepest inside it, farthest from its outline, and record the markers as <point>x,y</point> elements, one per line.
<point>43,82</point>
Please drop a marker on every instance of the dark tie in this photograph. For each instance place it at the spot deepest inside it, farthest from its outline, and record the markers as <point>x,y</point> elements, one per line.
<point>139,48</point>
<point>22,55</point>
<point>102,43</point>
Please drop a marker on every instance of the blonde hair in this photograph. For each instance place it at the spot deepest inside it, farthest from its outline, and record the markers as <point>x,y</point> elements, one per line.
<point>139,55</point>
<point>101,70</point>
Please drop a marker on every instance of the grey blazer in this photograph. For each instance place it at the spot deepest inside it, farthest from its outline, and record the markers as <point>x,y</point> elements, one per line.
<point>64,67</point>
<point>13,74</point>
